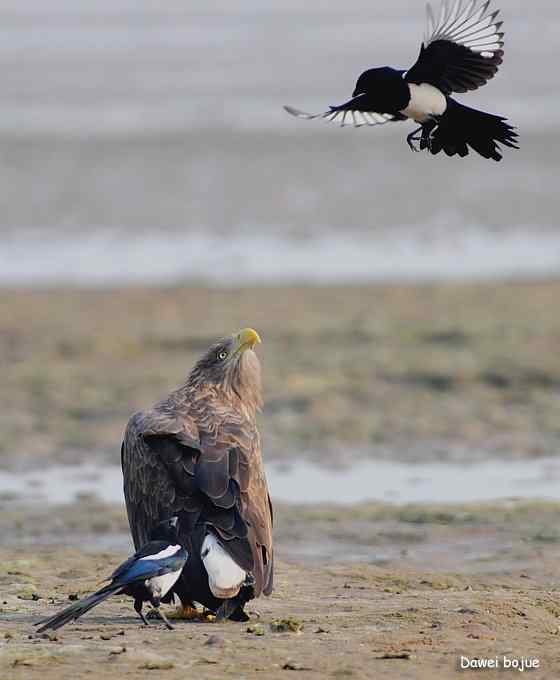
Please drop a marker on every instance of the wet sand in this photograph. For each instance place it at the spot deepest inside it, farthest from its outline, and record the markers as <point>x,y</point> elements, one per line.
<point>470,538</point>
<point>359,622</point>
<point>427,585</point>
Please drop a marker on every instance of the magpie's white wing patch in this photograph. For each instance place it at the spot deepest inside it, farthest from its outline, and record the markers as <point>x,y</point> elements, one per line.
<point>344,117</point>
<point>166,552</point>
<point>466,22</point>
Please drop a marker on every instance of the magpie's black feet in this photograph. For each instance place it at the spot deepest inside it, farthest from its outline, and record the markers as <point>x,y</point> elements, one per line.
<point>417,143</point>
<point>425,142</point>
<point>151,614</point>
<point>421,138</point>
<point>165,620</point>
<point>138,609</point>
<point>412,140</point>
<point>157,613</point>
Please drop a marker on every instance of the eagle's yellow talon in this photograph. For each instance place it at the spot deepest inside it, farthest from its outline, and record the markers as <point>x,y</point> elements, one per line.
<point>189,613</point>
<point>184,614</point>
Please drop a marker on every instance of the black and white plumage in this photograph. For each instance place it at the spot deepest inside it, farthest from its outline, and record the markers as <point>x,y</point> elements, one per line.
<point>462,51</point>
<point>147,576</point>
<point>197,454</point>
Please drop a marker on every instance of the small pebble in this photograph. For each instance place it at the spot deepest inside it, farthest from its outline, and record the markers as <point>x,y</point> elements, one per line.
<point>157,665</point>
<point>293,666</point>
<point>117,650</point>
<point>289,625</point>
<point>255,629</point>
<point>404,654</point>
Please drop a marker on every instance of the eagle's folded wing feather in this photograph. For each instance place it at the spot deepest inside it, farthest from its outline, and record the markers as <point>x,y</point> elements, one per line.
<point>215,478</point>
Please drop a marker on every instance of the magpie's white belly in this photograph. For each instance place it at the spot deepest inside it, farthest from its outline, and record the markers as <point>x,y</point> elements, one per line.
<point>162,584</point>
<point>225,576</point>
<point>425,101</point>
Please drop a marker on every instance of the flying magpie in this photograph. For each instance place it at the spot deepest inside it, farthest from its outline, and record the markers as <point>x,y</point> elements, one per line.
<point>462,51</point>
<point>147,576</point>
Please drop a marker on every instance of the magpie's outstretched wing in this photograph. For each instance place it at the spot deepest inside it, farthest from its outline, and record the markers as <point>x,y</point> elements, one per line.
<point>211,475</point>
<point>357,112</point>
<point>463,47</point>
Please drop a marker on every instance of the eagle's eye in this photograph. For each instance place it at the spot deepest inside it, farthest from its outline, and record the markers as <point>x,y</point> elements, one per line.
<point>222,355</point>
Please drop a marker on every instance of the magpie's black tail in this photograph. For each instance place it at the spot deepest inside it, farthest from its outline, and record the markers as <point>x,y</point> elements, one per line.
<point>461,127</point>
<point>74,611</point>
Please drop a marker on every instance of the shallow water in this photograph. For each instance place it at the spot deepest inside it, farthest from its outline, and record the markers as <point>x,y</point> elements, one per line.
<point>111,258</point>
<point>307,483</point>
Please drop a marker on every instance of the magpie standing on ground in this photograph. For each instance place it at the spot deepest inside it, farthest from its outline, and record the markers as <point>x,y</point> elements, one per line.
<point>462,51</point>
<point>147,576</point>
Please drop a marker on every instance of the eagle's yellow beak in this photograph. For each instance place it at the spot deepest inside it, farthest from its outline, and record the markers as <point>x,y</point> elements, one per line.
<point>246,339</point>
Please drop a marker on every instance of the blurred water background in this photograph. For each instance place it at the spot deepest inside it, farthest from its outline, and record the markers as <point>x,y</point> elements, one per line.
<point>145,142</point>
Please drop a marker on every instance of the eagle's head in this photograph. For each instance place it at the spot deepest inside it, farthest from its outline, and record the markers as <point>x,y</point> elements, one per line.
<point>231,364</point>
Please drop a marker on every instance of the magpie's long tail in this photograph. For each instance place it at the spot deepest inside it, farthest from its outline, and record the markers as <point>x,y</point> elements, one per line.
<point>74,611</point>
<point>461,127</point>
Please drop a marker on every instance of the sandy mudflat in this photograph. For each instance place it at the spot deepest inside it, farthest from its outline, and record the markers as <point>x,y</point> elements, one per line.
<point>413,373</point>
<point>358,622</point>
<point>473,368</point>
<point>431,583</point>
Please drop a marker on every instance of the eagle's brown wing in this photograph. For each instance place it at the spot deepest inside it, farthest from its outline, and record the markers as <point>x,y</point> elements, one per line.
<point>207,471</point>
